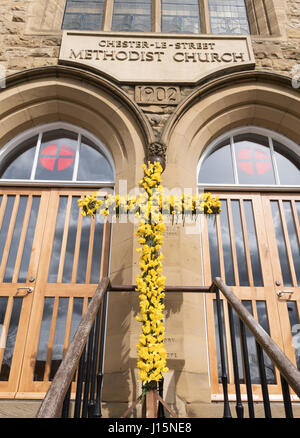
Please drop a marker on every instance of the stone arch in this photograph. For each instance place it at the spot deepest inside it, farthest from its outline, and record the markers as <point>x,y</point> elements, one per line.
<point>81,98</point>
<point>239,99</point>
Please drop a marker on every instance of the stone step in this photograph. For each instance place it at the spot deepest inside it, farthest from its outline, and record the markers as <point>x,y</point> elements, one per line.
<point>29,408</point>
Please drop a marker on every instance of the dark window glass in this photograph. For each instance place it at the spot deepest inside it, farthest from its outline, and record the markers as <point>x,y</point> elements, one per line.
<point>293,238</point>
<point>57,156</point>
<point>298,209</point>
<point>6,222</point>
<point>14,245</point>
<point>59,337</point>
<point>56,249</point>
<point>29,239</point>
<point>226,242</point>
<point>228,17</point>
<point>83,15</point>
<point>239,243</point>
<point>262,315</point>
<point>180,17</point>
<point>70,248</point>
<point>253,244</point>
<point>20,167</point>
<point>288,166</point>
<point>97,250</point>
<point>132,16</point>
<point>76,316</point>
<point>213,248</point>
<point>41,355</point>
<point>11,339</point>
<point>251,344</point>
<point>254,163</point>
<point>282,251</point>
<point>93,166</point>
<point>217,167</point>
<point>83,251</point>
<point>236,329</point>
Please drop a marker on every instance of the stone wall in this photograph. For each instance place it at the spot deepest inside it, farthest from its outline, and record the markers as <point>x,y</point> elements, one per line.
<point>22,44</point>
<point>30,36</point>
<point>281,54</point>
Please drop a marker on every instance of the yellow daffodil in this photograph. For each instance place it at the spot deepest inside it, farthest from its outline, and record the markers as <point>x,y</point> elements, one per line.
<point>150,207</point>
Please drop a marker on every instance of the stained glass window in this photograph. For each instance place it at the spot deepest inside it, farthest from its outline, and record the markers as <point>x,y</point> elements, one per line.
<point>180,17</point>
<point>228,17</point>
<point>177,16</point>
<point>250,159</point>
<point>83,15</point>
<point>57,155</point>
<point>132,16</point>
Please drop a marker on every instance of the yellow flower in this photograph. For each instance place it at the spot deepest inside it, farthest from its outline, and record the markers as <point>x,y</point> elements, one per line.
<point>151,206</point>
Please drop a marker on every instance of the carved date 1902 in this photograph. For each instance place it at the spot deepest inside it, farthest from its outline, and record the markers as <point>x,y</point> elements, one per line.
<point>148,94</point>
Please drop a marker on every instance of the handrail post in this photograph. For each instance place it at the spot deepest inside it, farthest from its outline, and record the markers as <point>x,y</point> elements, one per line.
<point>226,413</point>
<point>239,405</point>
<point>245,356</point>
<point>263,381</point>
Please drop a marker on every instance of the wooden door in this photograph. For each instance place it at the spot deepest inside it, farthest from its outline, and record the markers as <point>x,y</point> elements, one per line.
<point>237,249</point>
<point>67,257</point>
<point>282,213</point>
<point>22,221</point>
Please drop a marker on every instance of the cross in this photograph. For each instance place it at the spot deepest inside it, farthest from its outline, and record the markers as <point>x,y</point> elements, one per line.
<point>151,207</point>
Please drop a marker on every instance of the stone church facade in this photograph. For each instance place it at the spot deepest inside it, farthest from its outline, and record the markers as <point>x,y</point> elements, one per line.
<point>133,84</point>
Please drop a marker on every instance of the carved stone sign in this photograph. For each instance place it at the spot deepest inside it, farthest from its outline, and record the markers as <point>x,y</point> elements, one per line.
<point>158,94</point>
<point>146,58</point>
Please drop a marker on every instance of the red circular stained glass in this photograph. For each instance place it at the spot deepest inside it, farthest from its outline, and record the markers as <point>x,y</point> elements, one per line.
<point>63,156</point>
<point>253,161</point>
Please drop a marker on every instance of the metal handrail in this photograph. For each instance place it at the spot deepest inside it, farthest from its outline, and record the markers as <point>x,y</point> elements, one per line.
<point>289,374</point>
<point>57,394</point>
<point>51,406</point>
<point>284,365</point>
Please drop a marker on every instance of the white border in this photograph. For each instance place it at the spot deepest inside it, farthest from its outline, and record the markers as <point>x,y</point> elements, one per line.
<point>39,130</point>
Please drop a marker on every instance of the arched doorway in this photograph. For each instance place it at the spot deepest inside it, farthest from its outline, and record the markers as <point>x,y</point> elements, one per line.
<point>51,259</point>
<point>254,245</point>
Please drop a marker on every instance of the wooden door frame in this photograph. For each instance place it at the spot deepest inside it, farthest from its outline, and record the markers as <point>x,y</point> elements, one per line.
<point>28,388</point>
<point>32,304</point>
<point>265,293</point>
<point>275,261</point>
<point>8,388</point>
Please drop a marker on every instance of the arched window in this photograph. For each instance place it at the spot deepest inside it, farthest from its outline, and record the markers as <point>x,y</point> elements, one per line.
<point>57,152</point>
<point>251,156</point>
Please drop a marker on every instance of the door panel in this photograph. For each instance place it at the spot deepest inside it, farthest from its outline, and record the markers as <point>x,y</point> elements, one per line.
<point>46,245</point>
<point>282,212</point>
<point>22,221</point>
<point>74,259</point>
<point>237,248</point>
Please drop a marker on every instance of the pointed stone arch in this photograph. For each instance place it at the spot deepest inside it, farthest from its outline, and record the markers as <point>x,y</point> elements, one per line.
<point>68,94</point>
<point>247,98</point>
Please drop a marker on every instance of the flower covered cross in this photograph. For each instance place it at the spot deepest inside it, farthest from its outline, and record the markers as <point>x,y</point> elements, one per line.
<point>151,207</point>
